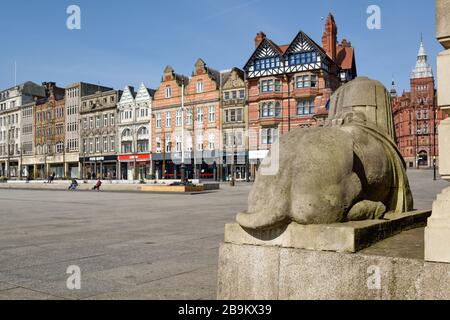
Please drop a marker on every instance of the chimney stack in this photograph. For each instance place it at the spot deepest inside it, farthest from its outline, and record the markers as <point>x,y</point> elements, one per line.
<point>259,38</point>
<point>329,39</point>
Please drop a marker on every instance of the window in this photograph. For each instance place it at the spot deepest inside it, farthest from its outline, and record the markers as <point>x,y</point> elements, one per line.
<point>270,86</point>
<point>269,136</point>
<point>143,131</point>
<point>270,109</point>
<point>178,144</point>
<point>126,133</point>
<point>97,144</point>
<point>199,141</point>
<point>305,107</point>
<point>168,143</point>
<point>211,141</point>
<point>91,122</point>
<point>226,96</point>
<point>178,118</point>
<point>267,63</point>
<point>168,92</point>
<point>199,86</point>
<point>91,146</point>
<point>112,143</point>
<point>303,82</point>
<point>302,58</point>
<point>211,114</point>
<point>200,115</point>
<point>105,144</point>
<point>242,94</point>
<point>189,117</point>
<point>113,120</point>
<point>105,120</point>
<point>158,145</point>
<point>158,120</point>
<point>233,115</point>
<point>168,119</point>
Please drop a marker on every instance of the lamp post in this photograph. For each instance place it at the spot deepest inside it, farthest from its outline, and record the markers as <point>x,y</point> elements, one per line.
<point>183,166</point>
<point>233,180</point>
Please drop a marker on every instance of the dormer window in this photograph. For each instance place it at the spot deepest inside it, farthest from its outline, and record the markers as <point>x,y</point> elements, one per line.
<point>267,63</point>
<point>200,87</point>
<point>302,58</point>
<point>168,92</point>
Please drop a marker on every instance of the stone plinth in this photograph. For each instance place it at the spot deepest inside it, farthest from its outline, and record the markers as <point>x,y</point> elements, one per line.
<point>249,272</point>
<point>443,22</point>
<point>340,237</point>
<point>437,233</point>
<point>443,80</point>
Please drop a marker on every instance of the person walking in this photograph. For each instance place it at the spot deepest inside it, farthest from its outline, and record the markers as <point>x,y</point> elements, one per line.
<point>97,185</point>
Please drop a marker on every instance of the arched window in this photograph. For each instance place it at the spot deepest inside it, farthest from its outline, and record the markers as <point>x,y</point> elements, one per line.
<point>126,133</point>
<point>143,131</point>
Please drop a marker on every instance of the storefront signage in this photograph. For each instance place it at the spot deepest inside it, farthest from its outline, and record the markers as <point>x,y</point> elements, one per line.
<point>138,157</point>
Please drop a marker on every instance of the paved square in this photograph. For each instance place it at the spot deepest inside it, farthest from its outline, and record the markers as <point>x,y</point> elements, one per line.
<point>128,246</point>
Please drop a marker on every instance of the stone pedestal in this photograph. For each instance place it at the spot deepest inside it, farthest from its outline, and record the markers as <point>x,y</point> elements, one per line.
<point>437,233</point>
<point>339,237</point>
<point>443,79</point>
<point>443,22</point>
<point>250,272</point>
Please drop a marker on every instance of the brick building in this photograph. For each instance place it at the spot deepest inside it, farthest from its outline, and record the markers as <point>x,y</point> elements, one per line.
<point>49,132</point>
<point>416,116</point>
<point>201,123</point>
<point>289,86</point>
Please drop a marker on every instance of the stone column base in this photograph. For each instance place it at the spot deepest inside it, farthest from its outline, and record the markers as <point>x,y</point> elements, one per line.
<point>251,272</point>
<point>437,233</point>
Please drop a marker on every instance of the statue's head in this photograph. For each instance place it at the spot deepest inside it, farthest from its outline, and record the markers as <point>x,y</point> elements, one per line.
<point>364,97</point>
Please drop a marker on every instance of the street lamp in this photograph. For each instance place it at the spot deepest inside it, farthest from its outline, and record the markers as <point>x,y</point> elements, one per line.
<point>183,166</point>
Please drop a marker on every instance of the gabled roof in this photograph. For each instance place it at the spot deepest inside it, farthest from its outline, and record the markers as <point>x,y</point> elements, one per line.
<point>128,92</point>
<point>301,36</point>
<point>265,42</point>
<point>179,78</point>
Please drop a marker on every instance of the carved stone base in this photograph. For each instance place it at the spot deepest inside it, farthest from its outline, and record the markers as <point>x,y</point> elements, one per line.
<point>341,237</point>
<point>437,232</point>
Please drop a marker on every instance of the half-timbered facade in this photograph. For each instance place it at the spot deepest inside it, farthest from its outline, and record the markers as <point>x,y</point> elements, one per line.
<point>289,86</point>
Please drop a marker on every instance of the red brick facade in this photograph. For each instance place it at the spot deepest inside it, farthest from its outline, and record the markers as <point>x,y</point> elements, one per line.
<point>289,86</point>
<point>202,118</point>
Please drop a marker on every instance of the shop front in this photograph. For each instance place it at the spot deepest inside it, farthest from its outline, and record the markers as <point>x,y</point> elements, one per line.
<point>238,163</point>
<point>135,166</point>
<point>255,159</point>
<point>103,167</point>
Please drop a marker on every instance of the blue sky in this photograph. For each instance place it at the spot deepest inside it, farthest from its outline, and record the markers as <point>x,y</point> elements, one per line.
<point>127,42</point>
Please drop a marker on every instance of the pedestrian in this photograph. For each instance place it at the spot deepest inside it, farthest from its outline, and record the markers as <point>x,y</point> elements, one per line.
<point>109,177</point>
<point>97,185</point>
<point>74,184</point>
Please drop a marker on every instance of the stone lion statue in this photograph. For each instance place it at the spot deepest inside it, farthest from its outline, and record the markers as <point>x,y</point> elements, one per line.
<point>348,170</point>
